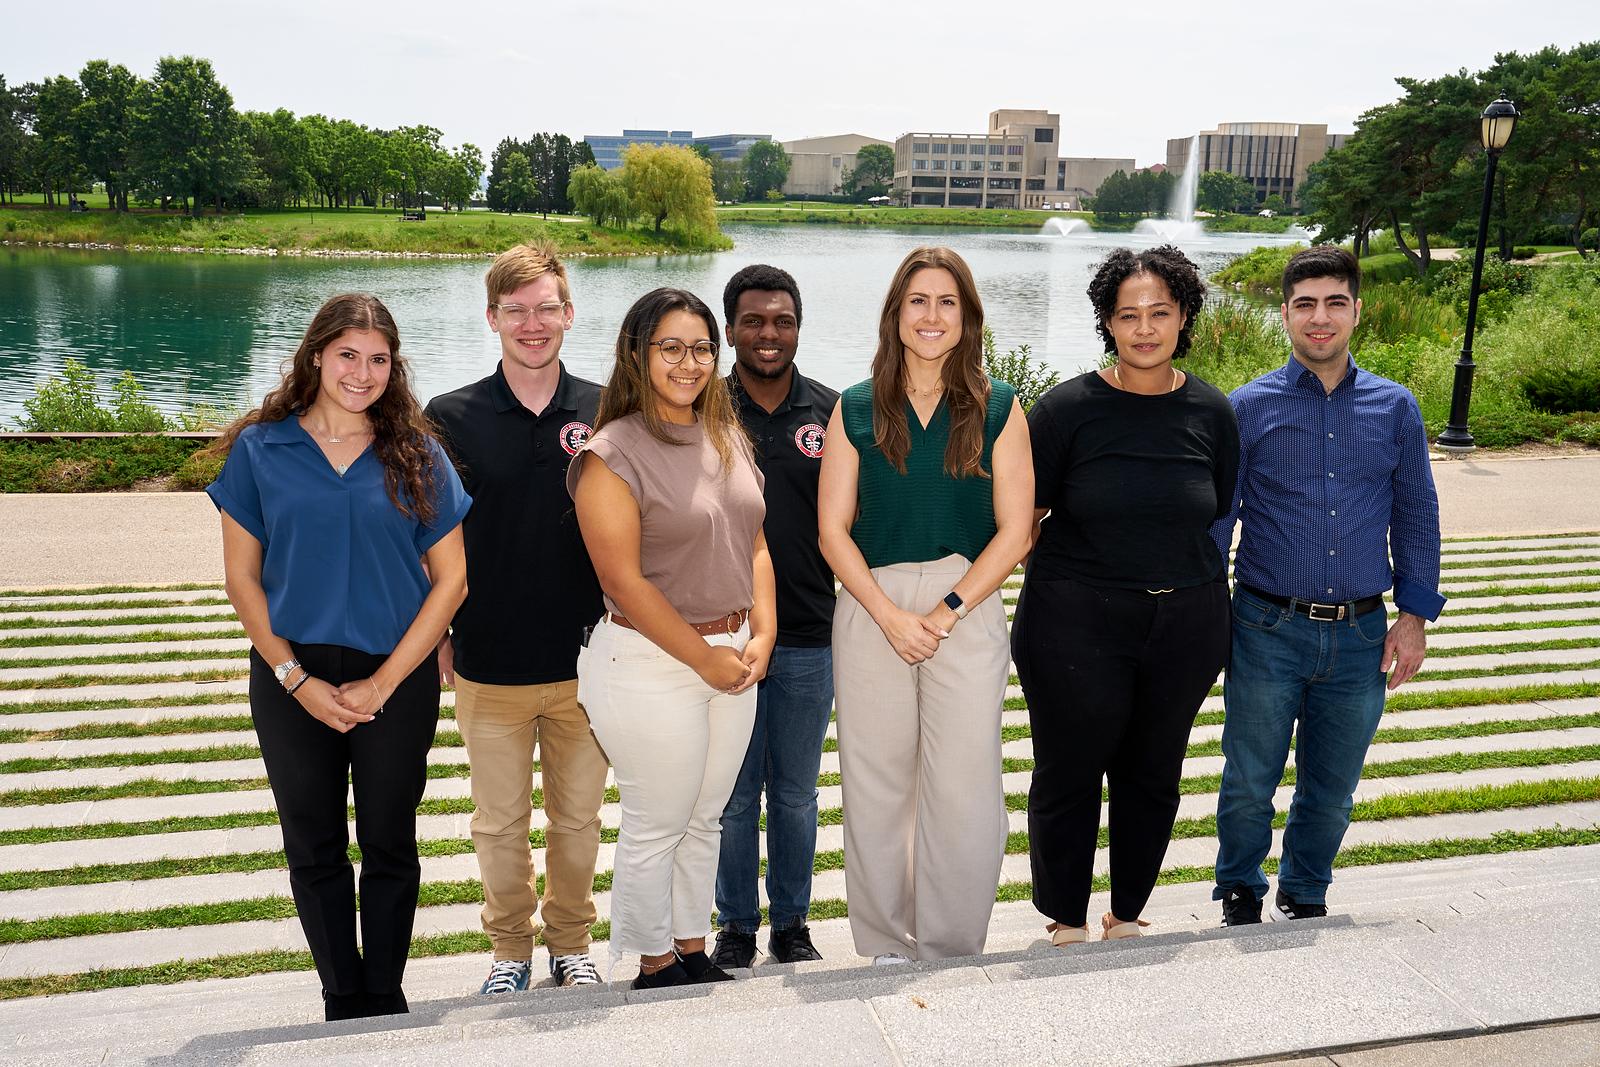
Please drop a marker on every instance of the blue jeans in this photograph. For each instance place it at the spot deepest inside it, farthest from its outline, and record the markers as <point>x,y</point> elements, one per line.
<point>1327,676</point>
<point>793,704</point>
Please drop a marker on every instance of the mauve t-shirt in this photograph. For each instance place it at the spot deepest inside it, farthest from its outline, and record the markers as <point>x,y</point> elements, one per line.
<point>698,523</point>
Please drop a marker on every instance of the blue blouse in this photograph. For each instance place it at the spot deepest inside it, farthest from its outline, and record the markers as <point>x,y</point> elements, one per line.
<point>340,564</point>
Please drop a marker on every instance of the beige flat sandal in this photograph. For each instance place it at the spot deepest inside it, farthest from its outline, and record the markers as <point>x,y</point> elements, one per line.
<point>1118,931</point>
<point>1062,936</point>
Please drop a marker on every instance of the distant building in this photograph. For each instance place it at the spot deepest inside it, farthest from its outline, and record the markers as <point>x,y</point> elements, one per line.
<point>1078,177</point>
<point>607,148</point>
<point>818,165</point>
<point>1016,164</point>
<point>1272,156</point>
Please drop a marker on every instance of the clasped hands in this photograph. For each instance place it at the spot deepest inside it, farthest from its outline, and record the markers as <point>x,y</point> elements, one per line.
<point>914,637</point>
<point>343,707</point>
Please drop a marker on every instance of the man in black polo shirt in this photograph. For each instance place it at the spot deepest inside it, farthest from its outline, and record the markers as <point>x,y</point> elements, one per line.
<point>785,414</point>
<point>513,647</point>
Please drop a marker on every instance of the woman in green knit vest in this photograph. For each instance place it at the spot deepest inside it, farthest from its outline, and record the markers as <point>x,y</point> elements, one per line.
<point>925,506</point>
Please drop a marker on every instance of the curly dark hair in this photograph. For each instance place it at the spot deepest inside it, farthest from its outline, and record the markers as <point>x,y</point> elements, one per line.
<point>759,276</point>
<point>1181,276</point>
<point>400,435</point>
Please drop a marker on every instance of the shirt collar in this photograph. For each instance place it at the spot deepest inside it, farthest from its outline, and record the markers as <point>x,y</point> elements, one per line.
<point>505,400</point>
<point>1298,375</point>
<point>284,431</point>
<point>799,392</point>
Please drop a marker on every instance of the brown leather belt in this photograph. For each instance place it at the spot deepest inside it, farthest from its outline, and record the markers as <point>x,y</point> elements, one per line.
<point>728,624</point>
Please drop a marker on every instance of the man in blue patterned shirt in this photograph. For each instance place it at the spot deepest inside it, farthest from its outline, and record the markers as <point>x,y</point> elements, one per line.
<point>1337,505</point>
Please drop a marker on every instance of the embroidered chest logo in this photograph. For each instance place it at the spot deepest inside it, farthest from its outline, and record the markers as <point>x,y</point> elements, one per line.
<point>573,436</point>
<point>808,439</point>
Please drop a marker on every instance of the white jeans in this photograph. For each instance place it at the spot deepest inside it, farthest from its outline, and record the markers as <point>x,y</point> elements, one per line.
<point>676,746</point>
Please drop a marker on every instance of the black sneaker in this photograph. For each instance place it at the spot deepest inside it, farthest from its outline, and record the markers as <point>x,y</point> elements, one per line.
<point>1286,908</point>
<point>1240,906</point>
<point>700,969</point>
<point>734,949</point>
<point>672,974</point>
<point>792,945</point>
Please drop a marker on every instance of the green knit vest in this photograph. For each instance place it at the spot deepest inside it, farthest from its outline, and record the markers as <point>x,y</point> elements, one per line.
<point>923,514</point>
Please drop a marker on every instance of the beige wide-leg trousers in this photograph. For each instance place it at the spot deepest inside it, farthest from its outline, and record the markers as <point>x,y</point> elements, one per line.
<point>919,761</point>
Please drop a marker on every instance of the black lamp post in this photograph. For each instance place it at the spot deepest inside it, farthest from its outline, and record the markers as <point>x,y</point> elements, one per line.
<point>1499,119</point>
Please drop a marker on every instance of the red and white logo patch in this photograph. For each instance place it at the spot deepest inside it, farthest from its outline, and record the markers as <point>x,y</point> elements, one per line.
<point>573,436</point>
<point>808,439</point>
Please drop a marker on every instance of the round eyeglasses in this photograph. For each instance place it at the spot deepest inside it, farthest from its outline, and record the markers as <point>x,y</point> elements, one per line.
<point>673,350</point>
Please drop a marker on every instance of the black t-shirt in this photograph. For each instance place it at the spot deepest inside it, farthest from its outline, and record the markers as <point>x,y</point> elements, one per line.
<point>530,586</point>
<point>788,447</point>
<point>1133,483</point>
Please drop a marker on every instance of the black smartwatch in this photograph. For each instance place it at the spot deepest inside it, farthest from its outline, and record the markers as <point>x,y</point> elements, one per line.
<point>955,604</point>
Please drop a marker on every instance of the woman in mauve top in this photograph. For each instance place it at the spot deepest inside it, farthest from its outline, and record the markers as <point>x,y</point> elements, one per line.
<point>669,502</point>
<point>333,497</point>
<point>1123,624</point>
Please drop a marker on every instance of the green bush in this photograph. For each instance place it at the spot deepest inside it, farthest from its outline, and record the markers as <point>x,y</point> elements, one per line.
<point>93,465</point>
<point>1232,342</point>
<point>1563,390</point>
<point>71,404</point>
<point>1582,429</point>
<point>1259,269</point>
<point>199,470</point>
<point>1502,282</point>
<point>1590,239</point>
<point>1394,311</point>
<point>1524,252</point>
<point>1017,367</point>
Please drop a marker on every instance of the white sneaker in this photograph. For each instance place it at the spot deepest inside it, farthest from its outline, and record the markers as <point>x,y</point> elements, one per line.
<point>889,959</point>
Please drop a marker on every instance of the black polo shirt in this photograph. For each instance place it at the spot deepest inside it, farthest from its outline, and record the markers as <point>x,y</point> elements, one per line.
<point>530,586</point>
<point>788,445</point>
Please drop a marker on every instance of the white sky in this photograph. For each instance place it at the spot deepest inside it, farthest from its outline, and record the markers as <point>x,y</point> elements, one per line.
<point>1123,77</point>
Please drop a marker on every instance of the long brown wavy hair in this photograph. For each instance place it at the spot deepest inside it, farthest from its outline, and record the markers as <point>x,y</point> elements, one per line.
<point>400,434</point>
<point>629,388</point>
<point>966,386</point>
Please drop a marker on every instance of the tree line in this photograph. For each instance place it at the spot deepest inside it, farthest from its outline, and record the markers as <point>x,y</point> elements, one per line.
<point>1416,166</point>
<point>175,139</point>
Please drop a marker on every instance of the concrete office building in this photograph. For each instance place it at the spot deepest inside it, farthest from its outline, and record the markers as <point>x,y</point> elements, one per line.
<point>1272,156</point>
<point>607,148</point>
<point>818,165</point>
<point>1016,164</point>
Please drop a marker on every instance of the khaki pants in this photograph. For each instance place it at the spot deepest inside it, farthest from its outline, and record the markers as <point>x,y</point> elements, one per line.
<point>919,761</point>
<point>500,725</point>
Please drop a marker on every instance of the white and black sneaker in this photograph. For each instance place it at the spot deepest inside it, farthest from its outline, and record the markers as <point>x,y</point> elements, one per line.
<point>1286,909</point>
<point>506,976</point>
<point>576,969</point>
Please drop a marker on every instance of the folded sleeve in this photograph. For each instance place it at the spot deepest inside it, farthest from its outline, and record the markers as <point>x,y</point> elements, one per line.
<point>609,452</point>
<point>236,491</point>
<point>450,502</point>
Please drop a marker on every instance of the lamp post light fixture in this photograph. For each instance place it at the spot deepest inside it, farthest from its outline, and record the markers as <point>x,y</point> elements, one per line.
<point>1499,119</point>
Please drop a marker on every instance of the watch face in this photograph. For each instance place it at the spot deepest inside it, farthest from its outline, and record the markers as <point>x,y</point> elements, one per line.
<point>952,602</point>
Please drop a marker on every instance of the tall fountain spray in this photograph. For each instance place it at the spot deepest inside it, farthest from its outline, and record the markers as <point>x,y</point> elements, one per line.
<point>1179,225</point>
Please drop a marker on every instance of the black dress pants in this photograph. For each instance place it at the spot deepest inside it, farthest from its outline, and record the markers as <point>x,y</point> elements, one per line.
<point>1113,679</point>
<point>311,767</point>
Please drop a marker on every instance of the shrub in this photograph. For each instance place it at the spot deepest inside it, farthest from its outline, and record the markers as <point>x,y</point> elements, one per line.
<point>70,404</point>
<point>1590,239</point>
<point>1502,282</point>
<point>1391,312</point>
<point>199,470</point>
<point>1583,429</point>
<point>1258,269</point>
<point>93,465</point>
<point>1524,252</point>
<point>1563,389</point>
<point>1018,368</point>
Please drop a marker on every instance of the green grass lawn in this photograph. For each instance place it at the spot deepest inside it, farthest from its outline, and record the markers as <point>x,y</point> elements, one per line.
<point>356,229</point>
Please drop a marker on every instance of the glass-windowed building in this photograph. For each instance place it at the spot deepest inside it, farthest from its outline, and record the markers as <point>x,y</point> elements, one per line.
<point>607,148</point>
<point>1271,156</point>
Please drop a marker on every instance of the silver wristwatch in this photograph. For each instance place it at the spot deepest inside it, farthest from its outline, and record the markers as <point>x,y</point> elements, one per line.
<point>283,670</point>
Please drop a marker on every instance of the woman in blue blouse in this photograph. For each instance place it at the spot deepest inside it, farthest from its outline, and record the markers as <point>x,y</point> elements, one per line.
<point>341,543</point>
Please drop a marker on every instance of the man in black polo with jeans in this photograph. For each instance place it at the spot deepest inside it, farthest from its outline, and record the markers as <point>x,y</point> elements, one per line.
<point>513,647</point>
<point>786,415</point>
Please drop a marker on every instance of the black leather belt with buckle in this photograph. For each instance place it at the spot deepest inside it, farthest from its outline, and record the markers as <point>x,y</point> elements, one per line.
<point>1348,609</point>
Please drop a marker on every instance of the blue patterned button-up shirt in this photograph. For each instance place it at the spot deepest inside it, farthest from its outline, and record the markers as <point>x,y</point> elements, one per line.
<point>1331,486</point>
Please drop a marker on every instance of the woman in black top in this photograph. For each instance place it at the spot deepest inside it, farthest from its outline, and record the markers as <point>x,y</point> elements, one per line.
<point>1122,625</point>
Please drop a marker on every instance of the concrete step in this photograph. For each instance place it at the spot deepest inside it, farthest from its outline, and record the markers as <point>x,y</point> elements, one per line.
<point>1407,966</point>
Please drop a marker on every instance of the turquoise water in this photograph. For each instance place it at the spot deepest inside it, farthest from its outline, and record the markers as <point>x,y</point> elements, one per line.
<point>214,329</point>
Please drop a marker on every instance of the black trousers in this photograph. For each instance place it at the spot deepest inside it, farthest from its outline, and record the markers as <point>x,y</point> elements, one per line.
<point>311,766</point>
<point>1113,678</point>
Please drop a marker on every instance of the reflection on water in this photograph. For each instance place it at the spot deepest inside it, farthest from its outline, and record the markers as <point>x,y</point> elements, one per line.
<point>215,329</point>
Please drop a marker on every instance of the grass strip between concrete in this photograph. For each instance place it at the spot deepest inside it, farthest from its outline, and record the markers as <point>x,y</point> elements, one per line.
<point>244,964</point>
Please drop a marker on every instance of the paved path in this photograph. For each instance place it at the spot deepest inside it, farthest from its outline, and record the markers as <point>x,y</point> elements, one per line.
<point>150,538</point>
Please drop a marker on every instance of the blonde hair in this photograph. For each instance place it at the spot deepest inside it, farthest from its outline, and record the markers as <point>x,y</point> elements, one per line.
<point>521,264</point>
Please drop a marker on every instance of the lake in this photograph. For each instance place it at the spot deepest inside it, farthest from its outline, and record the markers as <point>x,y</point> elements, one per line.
<point>214,329</point>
